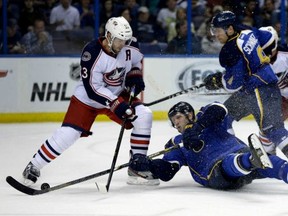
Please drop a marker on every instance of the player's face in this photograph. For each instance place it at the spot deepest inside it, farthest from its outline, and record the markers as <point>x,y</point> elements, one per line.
<point>180,121</point>
<point>220,34</point>
<point>118,44</point>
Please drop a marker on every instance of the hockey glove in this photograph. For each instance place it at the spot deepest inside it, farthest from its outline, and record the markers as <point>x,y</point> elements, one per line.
<point>122,110</point>
<point>283,80</point>
<point>135,78</point>
<point>213,81</point>
<point>191,137</point>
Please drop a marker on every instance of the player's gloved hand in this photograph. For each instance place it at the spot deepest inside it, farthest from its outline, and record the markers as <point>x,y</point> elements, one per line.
<point>283,80</point>
<point>191,137</point>
<point>122,109</point>
<point>213,81</point>
<point>135,78</point>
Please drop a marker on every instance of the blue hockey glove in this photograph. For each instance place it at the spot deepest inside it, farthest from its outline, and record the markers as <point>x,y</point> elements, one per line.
<point>122,110</point>
<point>191,137</point>
<point>135,78</point>
<point>213,81</point>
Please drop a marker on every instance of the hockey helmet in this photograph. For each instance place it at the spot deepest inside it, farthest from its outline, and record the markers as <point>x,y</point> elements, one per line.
<point>181,107</point>
<point>223,20</point>
<point>118,28</point>
<point>271,45</point>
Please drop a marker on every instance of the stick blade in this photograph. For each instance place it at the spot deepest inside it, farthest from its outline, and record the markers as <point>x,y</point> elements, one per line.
<point>101,187</point>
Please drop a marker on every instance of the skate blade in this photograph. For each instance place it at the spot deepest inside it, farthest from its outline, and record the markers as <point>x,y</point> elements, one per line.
<point>134,180</point>
<point>264,158</point>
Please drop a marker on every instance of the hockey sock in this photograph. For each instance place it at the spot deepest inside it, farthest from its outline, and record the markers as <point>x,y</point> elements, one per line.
<point>139,141</point>
<point>53,147</point>
<point>283,172</point>
<point>279,170</point>
<point>236,165</point>
<point>141,133</point>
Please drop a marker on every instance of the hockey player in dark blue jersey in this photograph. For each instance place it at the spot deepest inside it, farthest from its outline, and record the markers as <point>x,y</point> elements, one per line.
<point>216,158</point>
<point>249,76</point>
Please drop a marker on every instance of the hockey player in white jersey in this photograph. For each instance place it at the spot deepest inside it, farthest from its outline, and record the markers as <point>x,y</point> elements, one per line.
<point>279,64</point>
<point>110,66</point>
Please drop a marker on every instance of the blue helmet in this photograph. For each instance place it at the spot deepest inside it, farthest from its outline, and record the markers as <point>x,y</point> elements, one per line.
<point>223,20</point>
<point>181,107</point>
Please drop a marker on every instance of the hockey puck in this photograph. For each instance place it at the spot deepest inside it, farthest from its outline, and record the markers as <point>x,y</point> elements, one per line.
<point>45,186</point>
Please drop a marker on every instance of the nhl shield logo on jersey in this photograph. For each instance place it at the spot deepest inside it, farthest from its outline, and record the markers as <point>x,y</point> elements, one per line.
<point>115,77</point>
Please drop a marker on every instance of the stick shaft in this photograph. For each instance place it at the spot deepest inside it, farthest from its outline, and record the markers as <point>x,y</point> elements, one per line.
<point>118,143</point>
<point>174,95</point>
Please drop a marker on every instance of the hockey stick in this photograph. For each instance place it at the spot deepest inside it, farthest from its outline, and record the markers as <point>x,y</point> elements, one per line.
<point>132,93</point>
<point>31,191</point>
<point>174,95</point>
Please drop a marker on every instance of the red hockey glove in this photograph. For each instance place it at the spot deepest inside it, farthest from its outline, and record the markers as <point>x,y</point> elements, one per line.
<point>122,110</point>
<point>135,78</point>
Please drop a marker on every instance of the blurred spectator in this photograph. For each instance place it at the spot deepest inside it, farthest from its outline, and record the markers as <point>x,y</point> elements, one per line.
<point>28,15</point>
<point>153,7</point>
<point>86,12</point>
<point>146,30</point>
<point>9,14</point>
<point>167,15</point>
<point>38,41</point>
<point>251,14</point>
<point>13,38</point>
<point>133,7</point>
<point>46,7</point>
<point>209,44</point>
<point>202,30</point>
<point>198,12</point>
<point>269,13</point>
<point>180,15</point>
<point>65,16</point>
<point>178,45</point>
<point>107,10</point>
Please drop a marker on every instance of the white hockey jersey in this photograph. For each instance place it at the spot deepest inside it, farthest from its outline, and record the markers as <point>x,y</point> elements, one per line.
<point>103,75</point>
<point>280,67</point>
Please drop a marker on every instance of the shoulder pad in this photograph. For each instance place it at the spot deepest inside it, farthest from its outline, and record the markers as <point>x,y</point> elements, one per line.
<point>91,50</point>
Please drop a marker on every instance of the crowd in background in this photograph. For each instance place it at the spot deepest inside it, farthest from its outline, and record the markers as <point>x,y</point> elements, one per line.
<point>64,26</point>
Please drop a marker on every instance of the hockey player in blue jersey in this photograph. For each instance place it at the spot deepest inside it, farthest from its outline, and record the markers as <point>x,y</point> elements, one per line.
<point>216,158</point>
<point>249,76</point>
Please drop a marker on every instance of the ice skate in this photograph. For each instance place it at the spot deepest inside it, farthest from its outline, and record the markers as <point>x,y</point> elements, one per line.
<point>30,174</point>
<point>138,171</point>
<point>259,157</point>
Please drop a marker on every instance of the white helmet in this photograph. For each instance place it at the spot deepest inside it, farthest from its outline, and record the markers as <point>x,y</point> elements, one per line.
<point>270,45</point>
<point>119,28</point>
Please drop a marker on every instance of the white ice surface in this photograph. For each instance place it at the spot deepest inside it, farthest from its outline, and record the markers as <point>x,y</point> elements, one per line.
<point>180,197</point>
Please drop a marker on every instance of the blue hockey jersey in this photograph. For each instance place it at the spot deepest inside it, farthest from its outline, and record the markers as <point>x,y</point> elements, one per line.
<point>217,144</point>
<point>247,67</point>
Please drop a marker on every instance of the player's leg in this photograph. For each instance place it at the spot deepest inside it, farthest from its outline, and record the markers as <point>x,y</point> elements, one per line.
<point>266,109</point>
<point>77,122</point>
<point>240,164</point>
<point>138,171</point>
<point>279,170</point>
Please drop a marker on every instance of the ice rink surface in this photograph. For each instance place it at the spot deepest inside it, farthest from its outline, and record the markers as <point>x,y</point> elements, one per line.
<point>180,197</point>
